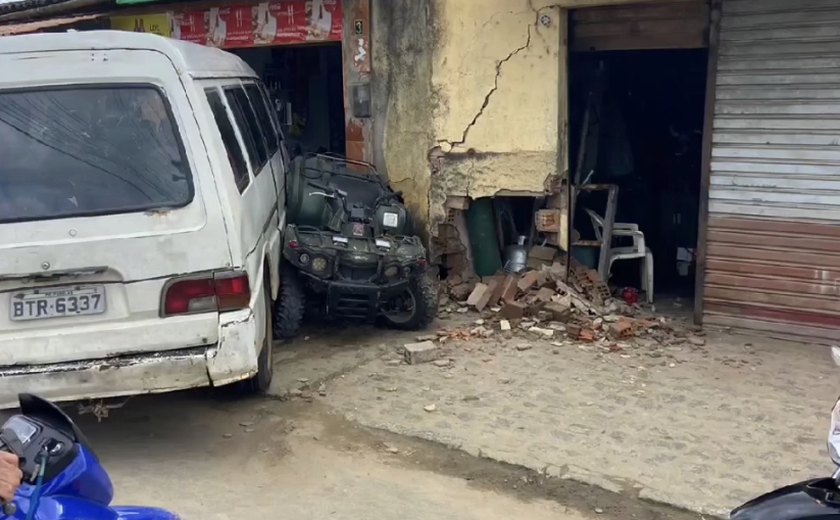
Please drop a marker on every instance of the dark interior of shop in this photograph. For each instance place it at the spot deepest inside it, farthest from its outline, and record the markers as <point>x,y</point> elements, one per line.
<point>644,113</point>
<point>306,83</point>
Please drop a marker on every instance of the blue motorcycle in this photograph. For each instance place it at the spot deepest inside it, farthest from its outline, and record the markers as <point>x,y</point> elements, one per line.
<point>63,478</point>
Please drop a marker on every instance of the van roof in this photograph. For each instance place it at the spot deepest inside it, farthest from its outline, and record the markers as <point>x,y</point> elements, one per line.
<point>191,58</point>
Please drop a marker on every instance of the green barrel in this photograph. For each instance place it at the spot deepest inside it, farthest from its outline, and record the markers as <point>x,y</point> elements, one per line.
<point>481,222</point>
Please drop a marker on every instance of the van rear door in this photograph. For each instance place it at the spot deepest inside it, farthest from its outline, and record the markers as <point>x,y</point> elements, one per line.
<point>106,196</point>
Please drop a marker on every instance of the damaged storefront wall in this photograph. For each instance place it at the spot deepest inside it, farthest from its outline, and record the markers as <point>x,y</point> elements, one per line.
<point>470,99</point>
<point>495,131</point>
<point>773,246</point>
<point>479,86</point>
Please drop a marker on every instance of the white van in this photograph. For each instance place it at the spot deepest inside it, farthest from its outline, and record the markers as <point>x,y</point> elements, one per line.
<point>142,199</point>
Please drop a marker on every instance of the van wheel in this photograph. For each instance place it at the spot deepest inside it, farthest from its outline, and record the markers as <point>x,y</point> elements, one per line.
<point>260,383</point>
<point>288,310</point>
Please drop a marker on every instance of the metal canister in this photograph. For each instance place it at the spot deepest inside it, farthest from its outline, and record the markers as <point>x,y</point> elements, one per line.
<point>516,256</point>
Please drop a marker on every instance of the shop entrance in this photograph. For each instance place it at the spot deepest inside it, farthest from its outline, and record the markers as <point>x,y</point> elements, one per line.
<point>306,82</point>
<point>636,120</point>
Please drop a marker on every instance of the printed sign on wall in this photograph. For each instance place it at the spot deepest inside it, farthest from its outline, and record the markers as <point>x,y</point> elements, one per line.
<point>151,23</point>
<point>266,23</point>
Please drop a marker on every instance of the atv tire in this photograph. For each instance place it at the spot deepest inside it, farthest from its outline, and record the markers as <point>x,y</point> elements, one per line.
<point>290,304</point>
<point>425,298</point>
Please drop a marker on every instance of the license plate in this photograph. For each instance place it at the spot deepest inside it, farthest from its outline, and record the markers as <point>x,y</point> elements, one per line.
<point>57,303</point>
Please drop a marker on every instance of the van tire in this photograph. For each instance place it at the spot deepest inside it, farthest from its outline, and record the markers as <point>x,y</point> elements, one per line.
<point>260,383</point>
<point>290,304</point>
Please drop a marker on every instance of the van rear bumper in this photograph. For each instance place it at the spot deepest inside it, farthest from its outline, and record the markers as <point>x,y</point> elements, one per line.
<point>129,375</point>
<point>233,359</point>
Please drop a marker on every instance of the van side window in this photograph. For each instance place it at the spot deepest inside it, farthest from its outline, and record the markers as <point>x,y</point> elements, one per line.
<point>234,152</point>
<point>246,120</point>
<point>258,101</point>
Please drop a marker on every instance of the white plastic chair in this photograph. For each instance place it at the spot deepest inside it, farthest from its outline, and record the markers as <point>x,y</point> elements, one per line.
<point>637,251</point>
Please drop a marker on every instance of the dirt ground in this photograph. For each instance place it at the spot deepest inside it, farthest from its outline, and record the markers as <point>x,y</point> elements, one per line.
<point>522,427</point>
<point>210,457</point>
<point>702,425</point>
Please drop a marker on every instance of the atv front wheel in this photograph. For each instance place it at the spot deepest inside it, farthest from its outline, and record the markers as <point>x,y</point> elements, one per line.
<point>288,309</point>
<point>413,309</point>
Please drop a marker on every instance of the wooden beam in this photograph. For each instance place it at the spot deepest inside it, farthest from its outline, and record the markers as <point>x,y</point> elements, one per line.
<point>706,165</point>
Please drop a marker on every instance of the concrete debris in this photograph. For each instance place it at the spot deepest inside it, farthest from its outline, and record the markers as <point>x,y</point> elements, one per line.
<point>423,352</point>
<point>524,346</point>
<point>546,333</point>
<point>550,298</point>
<point>430,408</point>
<point>513,310</point>
<point>461,291</point>
<point>480,296</point>
<point>442,363</point>
<point>482,332</point>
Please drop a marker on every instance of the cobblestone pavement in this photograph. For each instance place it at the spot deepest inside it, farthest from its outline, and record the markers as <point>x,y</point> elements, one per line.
<point>700,427</point>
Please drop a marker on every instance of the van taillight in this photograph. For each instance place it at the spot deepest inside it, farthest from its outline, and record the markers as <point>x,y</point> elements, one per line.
<point>216,293</point>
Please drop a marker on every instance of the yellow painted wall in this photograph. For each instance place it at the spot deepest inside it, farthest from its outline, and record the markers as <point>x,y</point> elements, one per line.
<point>495,99</point>
<point>496,75</point>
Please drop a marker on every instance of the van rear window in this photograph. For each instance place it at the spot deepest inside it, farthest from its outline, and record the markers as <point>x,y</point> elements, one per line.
<point>82,151</point>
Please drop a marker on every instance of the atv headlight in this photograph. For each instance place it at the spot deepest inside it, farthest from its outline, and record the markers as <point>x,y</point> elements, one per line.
<point>319,264</point>
<point>304,258</point>
<point>834,434</point>
<point>392,271</point>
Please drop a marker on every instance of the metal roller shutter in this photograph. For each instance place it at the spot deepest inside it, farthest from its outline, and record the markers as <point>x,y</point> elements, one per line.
<point>773,245</point>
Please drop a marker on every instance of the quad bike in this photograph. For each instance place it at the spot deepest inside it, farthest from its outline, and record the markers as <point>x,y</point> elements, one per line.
<point>347,249</point>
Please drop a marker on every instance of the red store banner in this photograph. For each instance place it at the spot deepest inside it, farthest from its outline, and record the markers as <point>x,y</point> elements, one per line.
<point>274,22</point>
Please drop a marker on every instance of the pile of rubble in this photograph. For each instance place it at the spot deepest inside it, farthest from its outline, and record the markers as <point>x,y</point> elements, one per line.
<point>548,299</point>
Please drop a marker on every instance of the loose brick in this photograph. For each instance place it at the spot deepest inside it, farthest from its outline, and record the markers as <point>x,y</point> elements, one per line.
<point>481,295</point>
<point>423,352</point>
<point>558,311</point>
<point>528,280</point>
<point>496,283</point>
<point>509,288</point>
<point>621,329</point>
<point>492,287</point>
<point>477,294</point>
<point>544,295</point>
<point>513,310</point>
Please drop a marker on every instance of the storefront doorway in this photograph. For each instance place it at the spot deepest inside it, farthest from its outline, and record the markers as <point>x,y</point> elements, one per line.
<point>636,112</point>
<point>306,82</point>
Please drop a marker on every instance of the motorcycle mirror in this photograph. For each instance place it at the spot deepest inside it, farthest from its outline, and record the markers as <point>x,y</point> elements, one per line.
<point>835,355</point>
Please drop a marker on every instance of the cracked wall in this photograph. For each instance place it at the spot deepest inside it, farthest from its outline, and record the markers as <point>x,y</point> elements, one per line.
<point>403,39</point>
<point>495,77</point>
<point>469,98</point>
<point>465,99</point>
